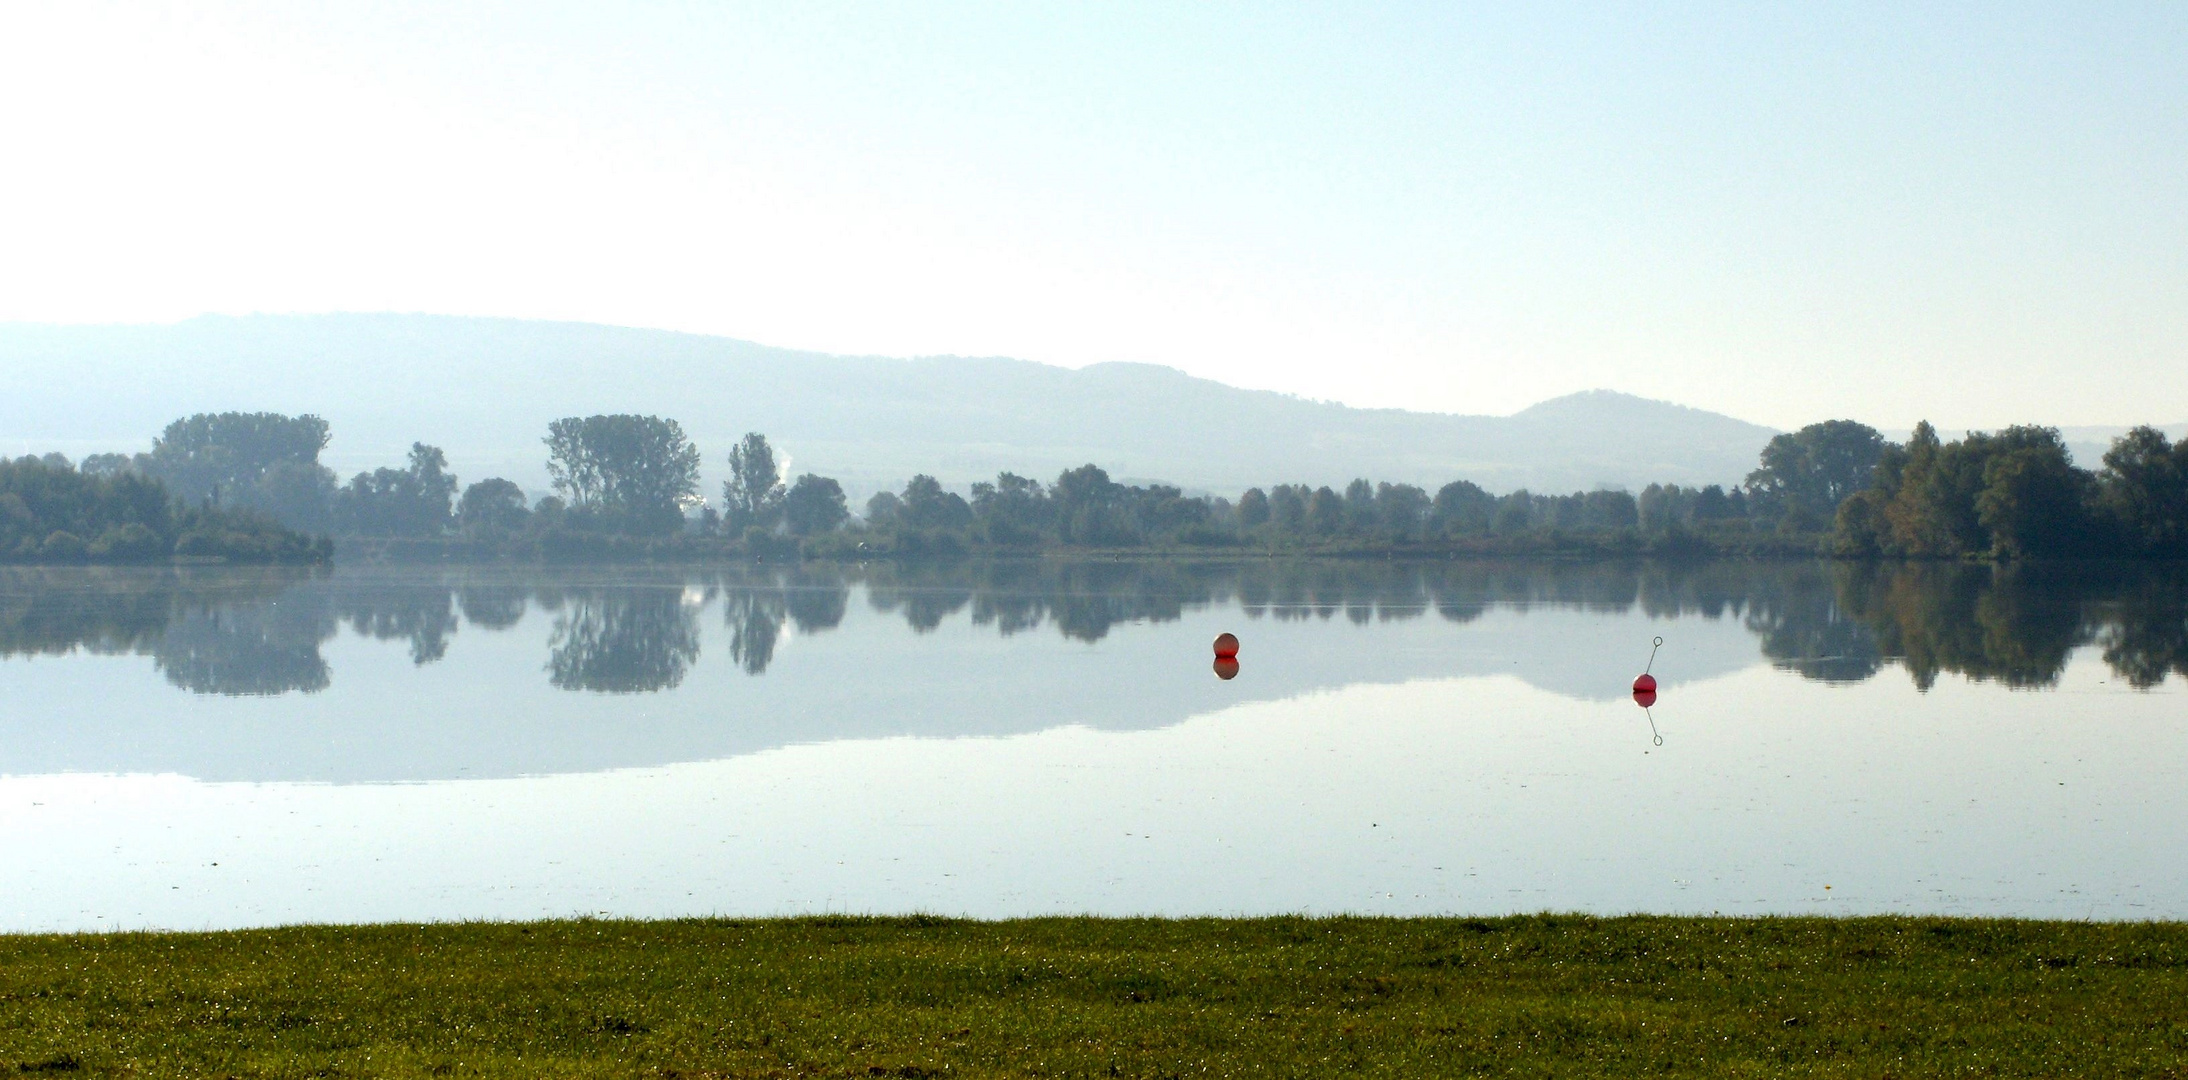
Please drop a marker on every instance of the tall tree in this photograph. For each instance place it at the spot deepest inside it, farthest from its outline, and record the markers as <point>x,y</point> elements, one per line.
<point>1805,474</point>
<point>2034,501</point>
<point>754,491</point>
<point>1325,512</point>
<point>1253,508</point>
<point>2143,490</point>
<point>632,471</point>
<point>258,461</point>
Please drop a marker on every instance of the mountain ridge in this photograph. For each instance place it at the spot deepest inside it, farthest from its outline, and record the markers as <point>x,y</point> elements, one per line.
<point>485,388</point>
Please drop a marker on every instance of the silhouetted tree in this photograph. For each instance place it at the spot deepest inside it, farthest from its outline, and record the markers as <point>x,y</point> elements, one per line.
<point>633,471</point>
<point>492,505</point>
<point>258,461</point>
<point>1401,510</point>
<point>1805,474</point>
<point>1288,507</point>
<point>927,506</point>
<point>753,493</point>
<point>1013,510</point>
<point>1253,508</point>
<point>2011,495</point>
<point>1463,507</point>
<point>2143,491</point>
<point>413,501</point>
<point>814,505</point>
<point>1325,512</point>
<point>883,507</point>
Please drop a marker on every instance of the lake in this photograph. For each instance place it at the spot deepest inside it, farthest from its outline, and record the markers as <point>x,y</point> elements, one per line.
<point>204,747</point>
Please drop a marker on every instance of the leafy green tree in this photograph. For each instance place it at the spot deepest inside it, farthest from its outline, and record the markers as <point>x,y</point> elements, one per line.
<point>630,471</point>
<point>753,494</point>
<point>1014,510</point>
<point>413,501</point>
<point>1091,508</point>
<point>814,505</point>
<point>492,505</point>
<point>1360,516</point>
<point>1712,504</point>
<point>1461,506</point>
<point>1932,515</point>
<point>883,508</point>
<point>1805,474</point>
<point>1608,509</point>
<point>1325,512</point>
<point>260,461</point>
<point>2143,491</point>
<point>1515,513</point>
<point>104,465</point>
<point>53,513</point>
<point>1664,507</point>
<point>927,506</point>
<point>1253,508</point>
<point>1401,510</point>
<point>2010,495</point>
<point>1288,507</point>
<point>2034,501</point>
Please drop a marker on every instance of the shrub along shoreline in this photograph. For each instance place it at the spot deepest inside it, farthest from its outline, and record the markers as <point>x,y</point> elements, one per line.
<point>1289,996</point>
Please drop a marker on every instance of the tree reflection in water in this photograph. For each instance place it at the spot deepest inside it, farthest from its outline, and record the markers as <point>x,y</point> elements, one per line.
<point>756,605</point>
<point>421,613</point>
<point>623,640</point>
<point>495,606</point>
<point>252,631</point>
<point>248,649</point>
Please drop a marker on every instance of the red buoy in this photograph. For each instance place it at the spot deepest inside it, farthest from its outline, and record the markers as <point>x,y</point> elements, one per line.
<point>1226,645</point>
<point>1226,668</point>
<point>1644,690</point>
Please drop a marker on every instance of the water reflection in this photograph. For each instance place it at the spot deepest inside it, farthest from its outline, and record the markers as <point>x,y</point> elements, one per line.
<point>254,632</point>
<point>622,640</point>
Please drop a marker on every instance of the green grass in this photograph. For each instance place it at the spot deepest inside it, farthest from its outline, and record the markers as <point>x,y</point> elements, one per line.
<point>1531,996</point>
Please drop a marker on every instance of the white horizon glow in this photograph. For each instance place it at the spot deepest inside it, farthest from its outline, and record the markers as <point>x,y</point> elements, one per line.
<point>1786,215</point>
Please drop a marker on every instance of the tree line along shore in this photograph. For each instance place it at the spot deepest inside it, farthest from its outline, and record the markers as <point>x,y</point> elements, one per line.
<point>249,487</point>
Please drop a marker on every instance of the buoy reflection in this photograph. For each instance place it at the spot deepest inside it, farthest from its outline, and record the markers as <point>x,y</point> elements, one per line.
<point>1644,691</point>
<point>1226,668</point>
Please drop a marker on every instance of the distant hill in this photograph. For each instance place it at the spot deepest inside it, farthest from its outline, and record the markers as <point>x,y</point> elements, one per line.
<point>484,390</point>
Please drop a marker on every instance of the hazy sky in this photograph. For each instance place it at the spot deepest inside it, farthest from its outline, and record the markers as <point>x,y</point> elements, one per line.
<point>1976,213</point>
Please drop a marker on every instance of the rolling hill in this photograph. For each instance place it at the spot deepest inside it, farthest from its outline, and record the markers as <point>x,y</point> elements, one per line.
<point>484,390</point>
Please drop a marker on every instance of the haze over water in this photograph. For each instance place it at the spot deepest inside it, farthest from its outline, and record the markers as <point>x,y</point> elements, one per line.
<point>192,748</point>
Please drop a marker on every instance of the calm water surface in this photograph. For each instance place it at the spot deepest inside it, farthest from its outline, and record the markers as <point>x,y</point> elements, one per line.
<point>205,748</point>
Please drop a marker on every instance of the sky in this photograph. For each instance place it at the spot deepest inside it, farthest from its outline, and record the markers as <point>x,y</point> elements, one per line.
<point>1972,213</point>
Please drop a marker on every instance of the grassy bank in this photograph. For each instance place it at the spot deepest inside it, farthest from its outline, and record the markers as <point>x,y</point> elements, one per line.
<point>1532,996</point>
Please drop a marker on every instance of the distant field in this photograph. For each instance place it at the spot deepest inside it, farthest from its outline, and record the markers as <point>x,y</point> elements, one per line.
<point>1531,996</point>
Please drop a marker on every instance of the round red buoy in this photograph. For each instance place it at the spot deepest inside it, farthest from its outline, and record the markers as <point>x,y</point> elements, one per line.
<point>1226,668</point>
<point>1644,684</point>
<point>1226,645</point>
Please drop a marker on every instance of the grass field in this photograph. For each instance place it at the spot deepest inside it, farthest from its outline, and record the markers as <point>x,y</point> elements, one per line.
<point>1532,996</point>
